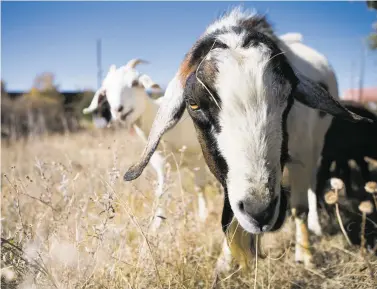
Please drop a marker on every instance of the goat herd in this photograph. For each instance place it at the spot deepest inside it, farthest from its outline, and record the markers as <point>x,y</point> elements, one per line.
<point>254,103</point>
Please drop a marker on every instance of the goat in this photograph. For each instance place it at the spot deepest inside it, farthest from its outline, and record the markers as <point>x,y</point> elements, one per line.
<point>134,99</point>
<point>254,102</point>
<point>116,88</point>
<point>346,141</point>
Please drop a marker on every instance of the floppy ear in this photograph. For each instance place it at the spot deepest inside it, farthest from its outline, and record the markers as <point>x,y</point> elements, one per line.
<point>98,98</point>
<point>154,92</point>
<point>169,113</point>
<point>315,96</point>
<point>152,89</point>
<point>146,81</point>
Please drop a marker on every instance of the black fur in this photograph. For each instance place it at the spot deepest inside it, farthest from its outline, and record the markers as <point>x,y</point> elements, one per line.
<point>322,114</point>
<point>227,215</point>
<point>258,31</point>
<point>344,141</point>
<point>103,111</point>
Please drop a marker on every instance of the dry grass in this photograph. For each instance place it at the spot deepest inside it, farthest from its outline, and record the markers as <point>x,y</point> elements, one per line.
<point>70,221</point>
<point>40,112</point>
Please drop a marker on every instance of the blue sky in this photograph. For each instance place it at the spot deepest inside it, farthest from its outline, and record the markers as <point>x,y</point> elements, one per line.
<point>60,37</point>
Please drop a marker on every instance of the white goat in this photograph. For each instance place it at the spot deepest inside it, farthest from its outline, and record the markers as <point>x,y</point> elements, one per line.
<point>130,96</point>
<point>255,101</point>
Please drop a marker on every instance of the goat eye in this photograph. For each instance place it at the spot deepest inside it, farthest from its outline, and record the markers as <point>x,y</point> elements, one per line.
<point>193,105</point>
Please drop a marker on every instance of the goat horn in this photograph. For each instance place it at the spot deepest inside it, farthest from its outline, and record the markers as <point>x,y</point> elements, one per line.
<point>133,62</point>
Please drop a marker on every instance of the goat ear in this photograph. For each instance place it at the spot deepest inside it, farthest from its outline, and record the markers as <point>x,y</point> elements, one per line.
<point>152,89</point>
<point>315,96</point>
<point>112,68</point>
<point>98,98</point>
<point>169,113</point>
<point>154,92</point>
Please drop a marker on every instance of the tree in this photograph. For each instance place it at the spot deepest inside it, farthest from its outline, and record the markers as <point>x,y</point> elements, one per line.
<point>372,39</point>
<point>372,4</point>
<point>45,82</point>
<point>44,86</point>
<point>3,88</point>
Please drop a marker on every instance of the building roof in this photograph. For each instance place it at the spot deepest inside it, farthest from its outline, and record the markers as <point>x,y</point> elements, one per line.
<point>368,94</point>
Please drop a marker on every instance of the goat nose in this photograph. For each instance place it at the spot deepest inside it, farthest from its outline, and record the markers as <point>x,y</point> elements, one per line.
<point>262,215</point>
<point>120,108</point>
<point>134,83</point>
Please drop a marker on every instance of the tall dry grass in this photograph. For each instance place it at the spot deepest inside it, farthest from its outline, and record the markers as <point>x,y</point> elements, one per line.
<point>38,113</point>
<point>70,221</point>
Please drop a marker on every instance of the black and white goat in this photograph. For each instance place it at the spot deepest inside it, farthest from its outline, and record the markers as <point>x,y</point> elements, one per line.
<point>254,101</point>
<point>345,141</point>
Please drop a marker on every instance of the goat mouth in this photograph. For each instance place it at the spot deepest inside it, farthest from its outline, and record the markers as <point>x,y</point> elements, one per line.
<point>282,212</point>
<point>124,116</point>
<point>250,225</point>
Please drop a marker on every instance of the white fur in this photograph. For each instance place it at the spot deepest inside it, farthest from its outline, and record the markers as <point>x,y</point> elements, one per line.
<point>252,116</point>
<point>291,38</point>
<point>299,255</point>
<point>157,162</point>
<point>313,218</point>
<point>305,124</point>
<point>250,119</point>
<point>312,64</point>
<point>224,262</point>
<point>182,135</point>
<point>117,85</point>
<point>157,219</point>
<point>202,208</point>
<point>99,122</point>
<point>230,19</point>
<point>306,130</point>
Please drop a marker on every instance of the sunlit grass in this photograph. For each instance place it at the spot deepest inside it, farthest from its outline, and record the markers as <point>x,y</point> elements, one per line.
<point>70,221</point>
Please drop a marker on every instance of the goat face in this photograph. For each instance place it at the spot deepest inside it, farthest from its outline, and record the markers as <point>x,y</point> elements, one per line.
<point>238,87</point>
<point>120,88</point>
<point>118,85</point>
<point>237,99</point>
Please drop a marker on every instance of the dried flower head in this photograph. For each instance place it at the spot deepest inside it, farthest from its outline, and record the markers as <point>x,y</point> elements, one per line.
<point>182,149</point>
<point>7,274</point>
<point>336,184</point>
<point>331,197</point>
<point>371,187</point>
<point>366,207</point>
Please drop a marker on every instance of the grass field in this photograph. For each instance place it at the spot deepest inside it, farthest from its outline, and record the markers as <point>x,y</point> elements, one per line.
<point>70,221</point>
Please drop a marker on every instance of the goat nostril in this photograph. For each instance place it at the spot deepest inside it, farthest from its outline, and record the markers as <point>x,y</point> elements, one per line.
<point>120,108</point>
<point>241,206</point>
<point>265,216</point>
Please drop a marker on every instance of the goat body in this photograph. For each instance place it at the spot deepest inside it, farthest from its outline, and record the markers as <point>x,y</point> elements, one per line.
<point>253,99</point>
<point>346,141</point>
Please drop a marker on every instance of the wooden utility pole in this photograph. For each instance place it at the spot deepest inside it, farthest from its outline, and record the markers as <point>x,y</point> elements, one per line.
<point>352,91</point>
<point>362,69</point>
<point>99,64</point>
